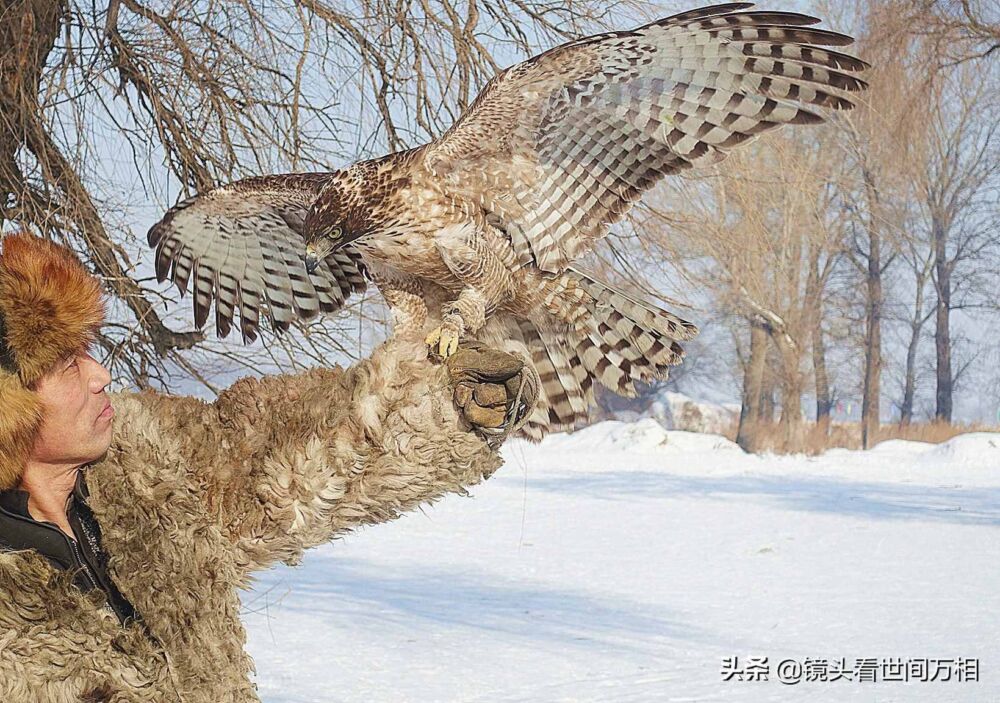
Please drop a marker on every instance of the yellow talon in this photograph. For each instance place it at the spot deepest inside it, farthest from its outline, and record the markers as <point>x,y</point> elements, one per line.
<point>451,344</point>
<point>445,338</point>
<point>432,339</point>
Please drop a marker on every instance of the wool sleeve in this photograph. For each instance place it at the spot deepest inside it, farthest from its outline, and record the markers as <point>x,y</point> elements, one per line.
<point>288,462</point>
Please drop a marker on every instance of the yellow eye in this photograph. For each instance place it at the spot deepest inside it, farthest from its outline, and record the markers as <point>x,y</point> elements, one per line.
<point>336,232</point>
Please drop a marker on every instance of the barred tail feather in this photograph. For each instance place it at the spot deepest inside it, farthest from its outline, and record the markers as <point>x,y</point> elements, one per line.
<point>566,393</point>
<point>626,340</point>
<point>590,331</point>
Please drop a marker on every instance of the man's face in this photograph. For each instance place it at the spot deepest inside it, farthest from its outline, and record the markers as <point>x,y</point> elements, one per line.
<point>76,428</point>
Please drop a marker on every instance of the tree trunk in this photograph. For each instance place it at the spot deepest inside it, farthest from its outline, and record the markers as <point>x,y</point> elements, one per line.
<point>766,413</point>
<point>910,383</point>
<point>824,403</point>
<point>942,333</point>
<point>792,428</point>
<point>28,32</point>
<point>753,379</point>
<point>873,345</point>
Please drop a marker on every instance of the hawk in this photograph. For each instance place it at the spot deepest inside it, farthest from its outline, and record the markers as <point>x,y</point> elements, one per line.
<point>482,226</point>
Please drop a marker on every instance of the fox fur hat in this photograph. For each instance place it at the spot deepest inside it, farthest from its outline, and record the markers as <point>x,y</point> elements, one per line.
<point>50,308</point>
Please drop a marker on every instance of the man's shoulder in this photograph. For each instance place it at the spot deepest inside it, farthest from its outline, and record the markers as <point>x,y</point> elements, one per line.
<point>156,405</point>
<point>150,444</point>
<point>146,472</point>
<point>147,416</point>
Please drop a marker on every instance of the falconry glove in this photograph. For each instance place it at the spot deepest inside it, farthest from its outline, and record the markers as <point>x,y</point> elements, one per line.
<point>495,390</point>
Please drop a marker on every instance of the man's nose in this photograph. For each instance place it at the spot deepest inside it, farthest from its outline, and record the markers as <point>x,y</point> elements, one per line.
<point>100,378</point>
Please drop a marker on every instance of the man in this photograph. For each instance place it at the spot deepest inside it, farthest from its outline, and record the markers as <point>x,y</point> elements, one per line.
<point>128,521</point>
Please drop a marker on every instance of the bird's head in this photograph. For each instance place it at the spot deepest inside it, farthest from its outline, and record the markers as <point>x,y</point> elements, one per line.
<point>323,243</point>
<point>332,222</point>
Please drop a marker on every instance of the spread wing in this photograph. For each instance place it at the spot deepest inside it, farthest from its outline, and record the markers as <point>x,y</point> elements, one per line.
<point>241,245</point>
<point>559,147</point>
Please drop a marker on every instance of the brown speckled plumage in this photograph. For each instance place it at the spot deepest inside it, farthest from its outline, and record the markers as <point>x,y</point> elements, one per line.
<point>481,227</point>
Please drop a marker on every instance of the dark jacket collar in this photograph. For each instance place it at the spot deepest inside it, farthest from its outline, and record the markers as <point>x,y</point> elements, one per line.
<point>19,531</point>
<point>15,500</point>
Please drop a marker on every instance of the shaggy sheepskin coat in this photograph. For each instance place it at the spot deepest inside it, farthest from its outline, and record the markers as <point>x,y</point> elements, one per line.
<point>194,497</point>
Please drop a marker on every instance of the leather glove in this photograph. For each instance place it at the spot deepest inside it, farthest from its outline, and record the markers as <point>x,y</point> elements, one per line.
<point>496,391</point>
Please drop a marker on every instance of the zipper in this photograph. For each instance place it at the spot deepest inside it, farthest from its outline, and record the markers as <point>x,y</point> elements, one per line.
<point>163,650</point>
<point>86,570</point>
<point>91,540</point>
<point>83,563</point>
<point>72,545</point>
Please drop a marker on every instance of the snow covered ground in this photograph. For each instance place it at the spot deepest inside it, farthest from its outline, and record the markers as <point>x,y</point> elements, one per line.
<point>625,562</point>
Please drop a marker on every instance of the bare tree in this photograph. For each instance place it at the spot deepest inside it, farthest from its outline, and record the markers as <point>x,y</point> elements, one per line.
<point>820,269</point>
<point>745,231</point>
<point>919,258</point>
<point>960,30</point>
<point>876,139</point>
<point>961,159</point>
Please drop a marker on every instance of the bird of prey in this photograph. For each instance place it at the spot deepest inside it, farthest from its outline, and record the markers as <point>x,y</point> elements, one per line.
<point>482,226</point>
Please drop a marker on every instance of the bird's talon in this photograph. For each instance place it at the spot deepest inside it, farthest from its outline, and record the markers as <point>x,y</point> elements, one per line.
<point>445,339</point>
<point>451,346</point>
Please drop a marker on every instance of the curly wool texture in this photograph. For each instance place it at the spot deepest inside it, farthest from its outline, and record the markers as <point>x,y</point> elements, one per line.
<point>194,497</point>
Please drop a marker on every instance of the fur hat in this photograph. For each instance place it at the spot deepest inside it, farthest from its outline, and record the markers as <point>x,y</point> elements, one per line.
<point>50,307</point>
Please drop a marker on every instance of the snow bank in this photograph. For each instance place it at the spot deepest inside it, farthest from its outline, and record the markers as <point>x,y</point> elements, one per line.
<point>902,446</point>
<point>640,436</point>
<point>973,450</point>
<point>677,411</point>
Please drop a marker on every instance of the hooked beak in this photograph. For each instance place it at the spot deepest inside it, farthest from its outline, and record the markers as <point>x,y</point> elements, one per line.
<point>322,247</point>
<point>312,259</point>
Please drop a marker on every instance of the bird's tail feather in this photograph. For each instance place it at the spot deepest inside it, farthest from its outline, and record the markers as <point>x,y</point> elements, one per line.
<point>591,331</point>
